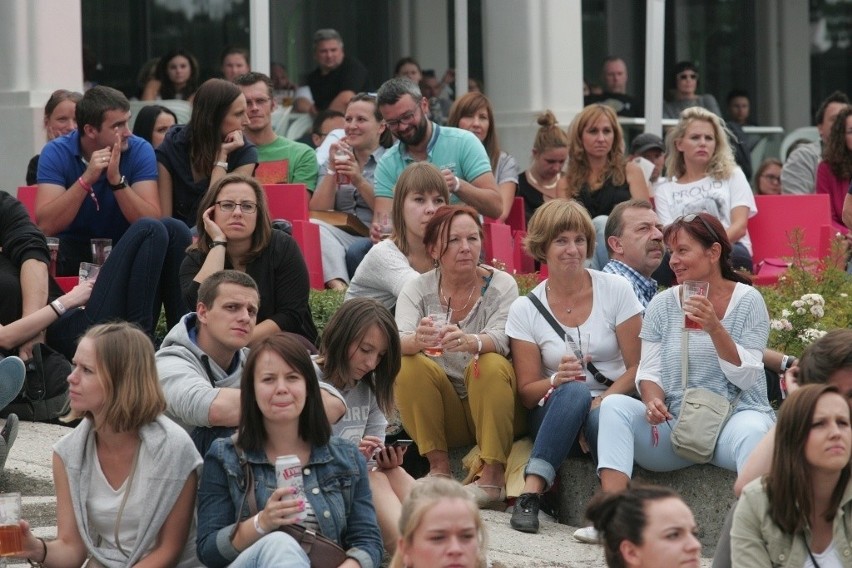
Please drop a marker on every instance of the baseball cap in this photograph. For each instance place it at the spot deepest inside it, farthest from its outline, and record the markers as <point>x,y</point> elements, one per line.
<point>645,142</point>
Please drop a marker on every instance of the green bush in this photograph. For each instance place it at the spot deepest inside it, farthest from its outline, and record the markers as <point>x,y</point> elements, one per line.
<point>323,305</point>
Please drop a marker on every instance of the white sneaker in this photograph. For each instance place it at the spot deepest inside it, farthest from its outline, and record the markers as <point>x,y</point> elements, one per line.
<point>588,535</point>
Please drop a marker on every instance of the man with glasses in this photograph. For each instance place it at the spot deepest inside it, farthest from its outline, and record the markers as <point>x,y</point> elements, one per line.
<point>459,154</point>
<point>100,182</point>
<point>279,160</point>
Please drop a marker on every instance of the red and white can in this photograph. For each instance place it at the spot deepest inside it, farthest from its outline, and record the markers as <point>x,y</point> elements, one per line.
<point>288,473</point>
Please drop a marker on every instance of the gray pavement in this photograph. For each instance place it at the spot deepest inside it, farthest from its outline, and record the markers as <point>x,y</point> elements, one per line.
<point>28,471</point>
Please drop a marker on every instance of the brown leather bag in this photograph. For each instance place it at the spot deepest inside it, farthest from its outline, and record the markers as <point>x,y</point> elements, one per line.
<point>321,550</point>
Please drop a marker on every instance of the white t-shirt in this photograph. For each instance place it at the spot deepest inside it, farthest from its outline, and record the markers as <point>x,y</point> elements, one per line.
<point>613,302</point>
<point>714,196</point>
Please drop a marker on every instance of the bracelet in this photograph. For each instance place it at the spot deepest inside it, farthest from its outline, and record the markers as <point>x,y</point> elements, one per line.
<point>84,185</point>
<point>478,344</point>
<point>457,186</point>
<point>44,558</point>
<point>221,164</point>
<point>219,243</point>
<point>257,527</point>
<point>90,191</point>
<point>58,307</point>
<point>553,380</point>
<point>783,366</point>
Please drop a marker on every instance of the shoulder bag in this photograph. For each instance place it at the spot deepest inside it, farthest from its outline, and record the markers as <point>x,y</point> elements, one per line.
<point>44,396</point>
<point>321,550</point>
<point>599,377</point>
<point>703,414</point>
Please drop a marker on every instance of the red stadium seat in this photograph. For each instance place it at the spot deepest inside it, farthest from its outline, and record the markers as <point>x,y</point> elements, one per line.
<point>290,201</point>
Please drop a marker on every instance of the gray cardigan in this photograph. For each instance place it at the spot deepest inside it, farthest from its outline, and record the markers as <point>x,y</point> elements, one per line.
<point>167,457</point>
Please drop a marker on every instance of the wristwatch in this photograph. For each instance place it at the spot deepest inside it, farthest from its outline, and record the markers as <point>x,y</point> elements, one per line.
<point>122,183</point>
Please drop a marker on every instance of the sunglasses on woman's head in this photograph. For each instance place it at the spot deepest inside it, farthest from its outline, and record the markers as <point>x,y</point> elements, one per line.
<point>692,217</point>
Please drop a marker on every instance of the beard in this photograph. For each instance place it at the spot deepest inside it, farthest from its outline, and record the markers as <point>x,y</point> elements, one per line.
<point>417,135</point>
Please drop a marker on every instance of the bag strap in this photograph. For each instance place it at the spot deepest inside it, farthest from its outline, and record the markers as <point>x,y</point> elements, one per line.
<point>249,483</point>
<point>560,332</point>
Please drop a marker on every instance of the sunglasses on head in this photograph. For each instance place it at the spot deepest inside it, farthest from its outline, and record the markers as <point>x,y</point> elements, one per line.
<point>692,217</point>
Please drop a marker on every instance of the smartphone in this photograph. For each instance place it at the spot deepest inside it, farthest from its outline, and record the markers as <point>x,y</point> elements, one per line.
<point>402,443</point>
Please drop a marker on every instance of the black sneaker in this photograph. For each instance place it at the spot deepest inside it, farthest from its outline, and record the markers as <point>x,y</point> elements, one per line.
<point>7,438</point>
<point>525,514</point>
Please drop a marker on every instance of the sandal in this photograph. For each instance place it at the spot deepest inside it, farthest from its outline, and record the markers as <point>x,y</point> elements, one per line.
<point>483,498</point>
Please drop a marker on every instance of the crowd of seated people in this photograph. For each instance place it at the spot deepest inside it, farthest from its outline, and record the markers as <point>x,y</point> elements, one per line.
<point>588,363</point>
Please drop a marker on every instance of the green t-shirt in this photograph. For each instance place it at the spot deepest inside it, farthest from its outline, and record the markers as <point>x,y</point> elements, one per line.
<point>286,161</point>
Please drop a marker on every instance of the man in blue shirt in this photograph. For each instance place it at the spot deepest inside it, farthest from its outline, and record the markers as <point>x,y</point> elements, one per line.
<point>100,181</point>
<point>459,154</point>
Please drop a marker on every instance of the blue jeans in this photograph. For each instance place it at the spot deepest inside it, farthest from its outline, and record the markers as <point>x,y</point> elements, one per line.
<point>126,289</point>
<point>275,549</point>
<point>628,437</point>
<point>555,427</point>
<point>356,253</point>
<point>12,375</point>
<point>169,290</point>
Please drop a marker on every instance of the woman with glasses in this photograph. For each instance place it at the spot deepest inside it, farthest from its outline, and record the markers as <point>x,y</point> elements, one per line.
<point>684,93</point>
<point>234,232</point>
<point>196,155</point>
<point>724,356</point>
<point>346,184</point>
<point>767,181</point>
<point>706,178</point>
<point>473,112</point>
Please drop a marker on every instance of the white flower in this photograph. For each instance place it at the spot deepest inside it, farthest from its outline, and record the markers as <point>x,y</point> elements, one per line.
<point>785,313</point>
<point>844,295</point>
<point>797,304</point>
<point>777,325</point>
<point>813,299</point>
<point>800,311</point>
<point>810,335</point>
<point>787,325</point>
<point>817,311</point>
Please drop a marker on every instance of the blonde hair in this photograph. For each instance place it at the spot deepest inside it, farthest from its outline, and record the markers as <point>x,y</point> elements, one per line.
<point>722,163</point>
<point>579,168</point>
<point>427,493</point>
<point>552,219</point>
<point>124,358</point>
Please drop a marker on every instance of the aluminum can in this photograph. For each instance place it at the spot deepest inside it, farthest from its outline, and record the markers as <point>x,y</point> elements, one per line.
<point>288,473</point>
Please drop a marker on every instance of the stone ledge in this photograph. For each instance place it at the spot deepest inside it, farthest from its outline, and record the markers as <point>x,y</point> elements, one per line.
<point>707,489</point>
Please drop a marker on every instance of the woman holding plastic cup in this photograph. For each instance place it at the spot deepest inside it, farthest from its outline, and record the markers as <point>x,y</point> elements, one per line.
<point>466,394</point>
<point>566,367</point>
<point>346,183</point>
<point>282,415</point>
<point>726,358</point>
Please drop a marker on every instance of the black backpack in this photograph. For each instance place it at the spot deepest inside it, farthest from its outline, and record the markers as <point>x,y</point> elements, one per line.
<point>44,396</point>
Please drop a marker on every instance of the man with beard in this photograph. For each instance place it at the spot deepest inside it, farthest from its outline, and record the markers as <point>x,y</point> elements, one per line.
<point>634,241</point>
<point>459,154</point>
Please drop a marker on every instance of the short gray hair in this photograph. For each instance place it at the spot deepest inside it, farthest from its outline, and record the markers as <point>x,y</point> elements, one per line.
<point>394,89</point>
<point>326,34</point>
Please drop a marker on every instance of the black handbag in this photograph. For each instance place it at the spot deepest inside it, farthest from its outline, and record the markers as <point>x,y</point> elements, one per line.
<point>321,550</point>
<point>44,396</point>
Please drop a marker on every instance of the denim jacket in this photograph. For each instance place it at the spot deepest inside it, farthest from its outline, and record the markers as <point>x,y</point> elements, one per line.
<point>336,486</point>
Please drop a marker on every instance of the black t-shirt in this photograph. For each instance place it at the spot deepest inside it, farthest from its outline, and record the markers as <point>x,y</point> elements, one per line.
<point>351,75</point>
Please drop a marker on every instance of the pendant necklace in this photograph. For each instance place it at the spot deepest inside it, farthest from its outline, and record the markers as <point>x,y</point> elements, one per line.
<point>567,309</point>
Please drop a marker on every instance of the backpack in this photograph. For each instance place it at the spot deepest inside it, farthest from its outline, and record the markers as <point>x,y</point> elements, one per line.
<point>44,396</point>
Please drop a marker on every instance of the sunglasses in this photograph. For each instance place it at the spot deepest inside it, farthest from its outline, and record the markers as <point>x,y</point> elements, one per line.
<point>692,217</point>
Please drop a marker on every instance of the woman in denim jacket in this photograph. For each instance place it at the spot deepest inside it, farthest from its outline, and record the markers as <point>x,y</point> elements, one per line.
<point>282,414</point>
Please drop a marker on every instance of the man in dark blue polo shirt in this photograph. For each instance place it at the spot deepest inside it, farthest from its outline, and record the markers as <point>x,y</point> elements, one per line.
<point>100,181</point>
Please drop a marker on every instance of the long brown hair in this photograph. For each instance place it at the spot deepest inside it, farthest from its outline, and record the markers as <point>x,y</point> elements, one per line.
<point>212,101</point>
<point>699,229</point>
<point>420,178</point>
<point>789,486</point>
<point>579,168</point>
<point>468,105</point>
<point>837,154</point>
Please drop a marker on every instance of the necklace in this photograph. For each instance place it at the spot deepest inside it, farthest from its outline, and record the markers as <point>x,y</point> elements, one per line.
<point>447,300</point>
<point>543,185</point>
<point>568,309</point>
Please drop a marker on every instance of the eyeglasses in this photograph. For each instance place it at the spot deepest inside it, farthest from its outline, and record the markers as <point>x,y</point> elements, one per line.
<point>683,76</point>
<point>257,102</point>
<point>692,217</point>
<point>772,178</point>
<point>247,207</point>
<point>406,118</point>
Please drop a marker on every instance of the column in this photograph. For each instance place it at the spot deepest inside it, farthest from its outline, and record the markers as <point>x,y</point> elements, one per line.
<point>533,61</point>
<point>41,42</point>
